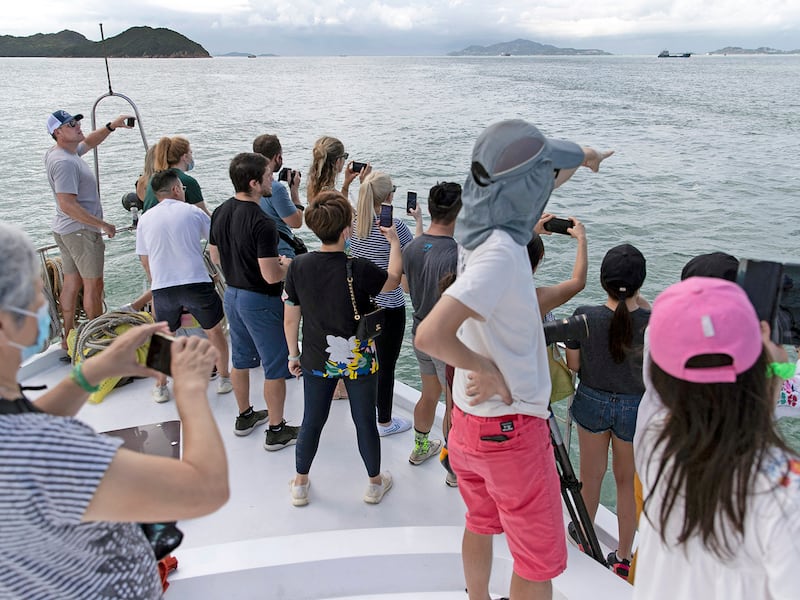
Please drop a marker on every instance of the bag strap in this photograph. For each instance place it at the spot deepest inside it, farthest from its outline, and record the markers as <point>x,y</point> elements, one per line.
<point>350,287</point>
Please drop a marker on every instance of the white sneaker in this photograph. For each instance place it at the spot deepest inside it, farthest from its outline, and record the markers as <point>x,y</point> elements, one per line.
<point>161,393</point>
<point>398,425</point>
<point>224,385</point>
<point>376,491</point>
<point>299,493</point>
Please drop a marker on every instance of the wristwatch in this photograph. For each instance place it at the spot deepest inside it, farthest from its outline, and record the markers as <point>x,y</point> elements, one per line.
<point>109,127</point>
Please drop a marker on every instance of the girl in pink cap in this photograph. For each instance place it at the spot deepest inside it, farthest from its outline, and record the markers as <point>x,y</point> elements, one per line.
<point>721,488</point>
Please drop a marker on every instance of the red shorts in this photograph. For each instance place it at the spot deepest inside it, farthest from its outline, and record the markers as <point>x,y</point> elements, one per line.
<point>511,485</point>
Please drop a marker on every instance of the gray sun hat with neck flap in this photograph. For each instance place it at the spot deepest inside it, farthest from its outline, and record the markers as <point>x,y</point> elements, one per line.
<point>512,176</point>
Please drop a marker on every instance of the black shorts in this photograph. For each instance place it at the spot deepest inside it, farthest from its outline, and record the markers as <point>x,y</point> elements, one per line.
<point>198,299</point>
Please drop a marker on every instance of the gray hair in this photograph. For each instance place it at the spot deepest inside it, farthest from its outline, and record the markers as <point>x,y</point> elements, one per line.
<point>18,270</point>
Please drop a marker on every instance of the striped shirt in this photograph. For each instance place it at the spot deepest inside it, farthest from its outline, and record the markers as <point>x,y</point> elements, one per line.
<point>50,468</point>
<point>376,248</point>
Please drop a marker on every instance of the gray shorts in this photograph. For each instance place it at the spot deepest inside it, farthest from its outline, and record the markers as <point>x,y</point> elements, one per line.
<point>82,252</point>
<point>429,365</point>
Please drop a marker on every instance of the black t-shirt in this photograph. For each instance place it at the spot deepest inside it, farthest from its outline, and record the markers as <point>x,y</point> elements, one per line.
<point>598,370</point>
<point>243,234</point>
<point>317,282</point>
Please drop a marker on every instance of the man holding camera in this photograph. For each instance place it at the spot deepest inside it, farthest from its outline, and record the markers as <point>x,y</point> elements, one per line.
<point>283,206</point>
<point>78,224</point>
<point>487,324</point>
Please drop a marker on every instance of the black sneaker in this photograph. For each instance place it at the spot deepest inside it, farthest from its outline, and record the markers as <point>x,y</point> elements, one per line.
<point>214,374</point>
<point>284,437</point>
<point>620,566</point>
<point>245,425</point>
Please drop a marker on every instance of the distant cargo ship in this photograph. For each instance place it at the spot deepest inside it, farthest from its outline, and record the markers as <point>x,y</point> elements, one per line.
<point>666,54</point>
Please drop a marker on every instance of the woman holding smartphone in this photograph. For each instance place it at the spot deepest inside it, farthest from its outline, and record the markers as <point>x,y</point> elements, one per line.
<point>368,242</point>
<point>329,159</point>
<point>609,365</point>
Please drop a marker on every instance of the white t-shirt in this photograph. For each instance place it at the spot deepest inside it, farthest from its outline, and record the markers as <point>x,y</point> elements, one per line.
<point>765,562</point>
<point>495,281</point>
<point>170,235</point>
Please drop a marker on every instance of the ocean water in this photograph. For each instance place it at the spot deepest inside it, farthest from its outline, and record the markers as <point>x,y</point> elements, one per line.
<point>706,148</point>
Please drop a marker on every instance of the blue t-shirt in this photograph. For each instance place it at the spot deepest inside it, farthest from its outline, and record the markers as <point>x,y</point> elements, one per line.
<point>276,207</point>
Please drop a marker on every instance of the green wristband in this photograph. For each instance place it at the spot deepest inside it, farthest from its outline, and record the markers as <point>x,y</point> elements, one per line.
<point>77,376</point>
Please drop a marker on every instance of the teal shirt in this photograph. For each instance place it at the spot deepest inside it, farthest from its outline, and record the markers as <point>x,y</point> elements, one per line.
<point>193,193</point>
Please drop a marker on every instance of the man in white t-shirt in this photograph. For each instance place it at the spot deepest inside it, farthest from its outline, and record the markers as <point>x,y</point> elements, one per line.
<point>487,324</point>
<point>169,244</point>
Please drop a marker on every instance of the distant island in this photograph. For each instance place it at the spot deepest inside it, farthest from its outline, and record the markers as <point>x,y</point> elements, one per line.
<point>522,47</point>
<point>761,50</point>
<point>136,42</point>
<point>243,55</point>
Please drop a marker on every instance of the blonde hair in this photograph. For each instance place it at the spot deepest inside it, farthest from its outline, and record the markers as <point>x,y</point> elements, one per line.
<point>327,150</point>
<point>169,151</point>
<point>374,190</point>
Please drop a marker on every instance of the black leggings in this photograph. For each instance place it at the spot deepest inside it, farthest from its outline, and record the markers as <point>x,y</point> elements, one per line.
<point>388,346</point>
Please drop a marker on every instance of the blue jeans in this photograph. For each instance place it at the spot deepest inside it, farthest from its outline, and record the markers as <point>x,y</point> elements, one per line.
<point>256,326</point>
<point>318,395</point>
<point>598,411</point>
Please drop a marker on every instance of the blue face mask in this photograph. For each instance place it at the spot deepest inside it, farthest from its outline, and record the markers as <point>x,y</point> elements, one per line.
<point>347,245</point>
<point>43,319</point>
<point>190,166</point>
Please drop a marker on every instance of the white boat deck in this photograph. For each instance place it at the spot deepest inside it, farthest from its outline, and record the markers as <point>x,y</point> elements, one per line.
<point>260,546</point>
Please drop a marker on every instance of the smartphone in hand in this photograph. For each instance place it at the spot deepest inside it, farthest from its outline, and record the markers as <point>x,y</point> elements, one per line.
<point>411,201</point>
<point>159,354</point>
<point>556,225</point>
<point>385,218</point>
<point>358,166</point>
<point>130,121</point>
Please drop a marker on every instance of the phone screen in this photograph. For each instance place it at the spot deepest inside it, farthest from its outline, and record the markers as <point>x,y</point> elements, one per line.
<point>556,225</point>
<point>159,353</point>
<point>130,121</point>
<point>411,201</point>
<point>385,219</point>
<point>358,166</point>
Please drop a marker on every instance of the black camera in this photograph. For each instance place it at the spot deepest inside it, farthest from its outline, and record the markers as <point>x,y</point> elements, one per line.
<point>572,328</point>
<point>774,290</point>
<point>286,175</point>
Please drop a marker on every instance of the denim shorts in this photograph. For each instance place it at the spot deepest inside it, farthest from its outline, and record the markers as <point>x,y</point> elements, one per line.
<point>199,299</point>
<point>256,327</point>
<point>598,411</point>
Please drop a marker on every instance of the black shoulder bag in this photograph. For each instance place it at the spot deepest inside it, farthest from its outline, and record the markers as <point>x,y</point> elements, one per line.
<point>370,325</point>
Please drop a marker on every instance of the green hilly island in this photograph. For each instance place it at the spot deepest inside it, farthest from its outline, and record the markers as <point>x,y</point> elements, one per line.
<point>136,42</point>
<point>522,47</point>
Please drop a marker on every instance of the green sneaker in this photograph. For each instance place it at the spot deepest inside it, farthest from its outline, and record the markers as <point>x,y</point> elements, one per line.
<point>424,451</point>
<point>284,437</point>
<point>245,425</point>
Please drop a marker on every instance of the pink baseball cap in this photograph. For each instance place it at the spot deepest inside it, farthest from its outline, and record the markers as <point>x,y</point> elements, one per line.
<point>700,316</point>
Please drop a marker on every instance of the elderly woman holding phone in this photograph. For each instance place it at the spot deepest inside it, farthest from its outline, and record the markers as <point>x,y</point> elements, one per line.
<point>72,498</point>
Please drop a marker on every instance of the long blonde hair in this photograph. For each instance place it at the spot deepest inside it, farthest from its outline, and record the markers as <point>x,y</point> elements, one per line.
<point>147,172</point>
<point>327,150</point>
<point>169,151</point>
<point>374,190</point>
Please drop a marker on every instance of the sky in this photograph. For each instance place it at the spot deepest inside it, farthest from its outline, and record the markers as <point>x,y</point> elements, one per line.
<point>425,27</point>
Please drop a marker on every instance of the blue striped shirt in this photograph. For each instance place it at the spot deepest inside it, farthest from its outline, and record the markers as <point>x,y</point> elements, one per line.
<point>376,248</point>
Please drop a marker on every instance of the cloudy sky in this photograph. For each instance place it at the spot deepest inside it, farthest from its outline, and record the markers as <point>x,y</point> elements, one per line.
<point>414,27</point>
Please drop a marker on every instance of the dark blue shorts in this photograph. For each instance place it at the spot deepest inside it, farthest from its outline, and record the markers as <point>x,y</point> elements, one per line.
<point>199,299</point>
<point>598,411</point>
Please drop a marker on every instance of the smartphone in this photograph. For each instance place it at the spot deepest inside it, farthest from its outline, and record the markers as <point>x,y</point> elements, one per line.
<point>358,166</point>
<point>159,354</point>
<point>385,219</point>
<point>556,225</point>
<point>130,121</point>
<point>411,201</point>
<point>774,290</point>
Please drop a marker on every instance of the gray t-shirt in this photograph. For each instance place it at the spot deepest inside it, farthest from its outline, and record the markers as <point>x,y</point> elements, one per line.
<point>426,260</point>
<point>598,370</point>
<point>68,173</point>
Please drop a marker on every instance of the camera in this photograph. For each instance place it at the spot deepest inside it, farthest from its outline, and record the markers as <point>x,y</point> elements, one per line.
<point>572,328</point>
<point>286,175</point>
<point>358,166</point>
<point>130,121</point>
<point>411,201</point>
<point>774,290</point>
<point>385,219</point>
<point>159,354</point>
<point>556,225</point>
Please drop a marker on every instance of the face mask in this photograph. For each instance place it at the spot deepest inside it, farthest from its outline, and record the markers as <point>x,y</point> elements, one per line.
<point>347,245</point>
<point>43,320</point>
<point>190,166</point>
